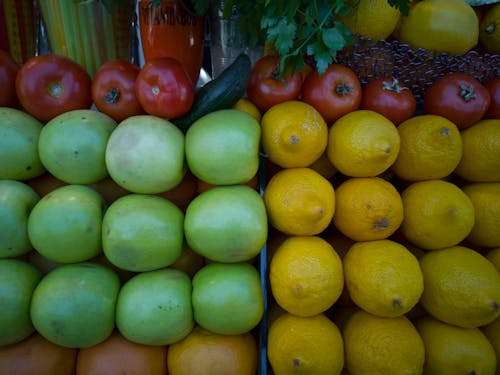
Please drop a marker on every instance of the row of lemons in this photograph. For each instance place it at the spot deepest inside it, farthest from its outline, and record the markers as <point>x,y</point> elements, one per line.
<point>384,256</point>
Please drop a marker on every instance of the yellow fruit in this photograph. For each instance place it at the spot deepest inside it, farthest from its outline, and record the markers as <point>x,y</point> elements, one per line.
<point>494,257</point>
<point>206,353</point>
<point>452,350</point>
<point>374,19</point>
<point>362,143</point>
<point>309,346</point>
<point>294,134</point>
<point>247,106</point>
<point>437,214</point>
<point>440,25</point>
<point>299,201</point>
<point>381,346</point>
<point>489,30</point>
<point>481,152</point>
<point>367,208</point>
<point>461,287</point>
<point>324,166</point>
<point>306,275</point>
<point>431,148</point>
<point>383,277</point>
<point>492,332</point>
<point>485,197</point>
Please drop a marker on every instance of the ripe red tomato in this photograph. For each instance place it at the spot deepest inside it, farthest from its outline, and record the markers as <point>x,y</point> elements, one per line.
<point>389,98</point>
<point>265,89</point>
<point>459,97</point>
<point>164,89</point>
<point>8,72</point>
<point>113,90</point>
<point>334,93</point>
<point>493,86</point>
<point>48,85</point>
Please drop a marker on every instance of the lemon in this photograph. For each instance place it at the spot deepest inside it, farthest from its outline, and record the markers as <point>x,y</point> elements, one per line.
<point>452,350</point>
<point>362,143</point>
<point>299,201</point>
<point>305,345</point>
<point>383,277</point>
<point>492,332</point>
<point>440,25</point>
<point>485,198</point>
<point>489,30</point>
<point>461,287</point>
<point>381,346</point>
<point>294,134</point>
<point>481,152</point>
<point>431,148</point>
<point>367,208</point>
<point>324,166</point>
<point>493,256</point>
<point>306,275</point>
<point>374,19</point>
<point>437,214</point>
<point>245,105</point>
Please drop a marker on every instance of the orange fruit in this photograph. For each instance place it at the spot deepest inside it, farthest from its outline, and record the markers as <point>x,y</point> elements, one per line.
<point>117,355</point>
<point>206,353</point>
<point>182,194</point>
<point>37,355</point>
<point>299,201</point>
<point>294,134</point>
<point>189,261</point>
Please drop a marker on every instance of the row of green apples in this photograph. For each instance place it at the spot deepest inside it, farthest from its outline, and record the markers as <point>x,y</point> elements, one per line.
<point>78,303</point>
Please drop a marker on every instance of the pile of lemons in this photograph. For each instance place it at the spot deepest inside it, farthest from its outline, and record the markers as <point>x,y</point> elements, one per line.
<point>385,241</point>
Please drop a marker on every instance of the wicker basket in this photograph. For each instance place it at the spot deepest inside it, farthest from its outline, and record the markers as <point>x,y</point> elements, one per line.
<point>414,68</point>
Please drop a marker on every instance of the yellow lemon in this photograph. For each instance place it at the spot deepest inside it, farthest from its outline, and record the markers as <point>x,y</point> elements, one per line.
<point>306,275</point>
<point>452,350</point>
<point>247,106</point>
<point>493,256</point>
<point>461,287</point>
<point>362,143</point>
<point>489,29</point>
<point>485,197</point>
<point>383,277</point>
<point>299,201</point>
<point>379,346</point>
<point>305,345</point>
<point>440,25</point>
<point>324,166</point>
<point>374,19</point>
<point>437,214</point>
<point>431,148</point>
<point>367,208</point>
<point>481,152</point>
<point>294,134</point>
<point>492,332</point>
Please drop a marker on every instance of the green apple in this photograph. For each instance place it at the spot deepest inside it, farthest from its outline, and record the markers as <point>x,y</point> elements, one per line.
<point>72,145</point>
<point>142,232</point>
<point>227,298</point>
<point>74,305</point>
<point>145,154</point>
<point>154,308</point>
<point>19,156</point>
<point>65,225</point>
<point>222,147</point>
<point>16,202</point>
<point>18,279</point>
<point>226,223</point>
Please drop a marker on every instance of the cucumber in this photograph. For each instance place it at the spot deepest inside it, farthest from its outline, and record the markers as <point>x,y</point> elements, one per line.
<point>220,93</point>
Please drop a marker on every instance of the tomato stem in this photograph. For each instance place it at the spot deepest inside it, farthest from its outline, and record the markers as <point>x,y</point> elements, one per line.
<point>343,89</point>
<point>112,96</point>
<point>55,89</point>
<point>393,86</point>
<point>467,92</point>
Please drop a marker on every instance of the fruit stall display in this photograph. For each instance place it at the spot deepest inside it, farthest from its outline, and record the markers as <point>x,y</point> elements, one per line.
<point>330,208</point>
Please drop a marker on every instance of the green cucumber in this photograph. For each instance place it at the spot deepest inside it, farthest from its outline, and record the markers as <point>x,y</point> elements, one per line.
<point>220,93</point>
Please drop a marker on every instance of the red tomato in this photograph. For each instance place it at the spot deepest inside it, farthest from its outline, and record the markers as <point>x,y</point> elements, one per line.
<point>113,90</point>
<point>493,86</point>
<point>459,97</point>
<point>264,89</point>
<point>8,72</point>
<point>334,93</point>
<point>48,85</point>
<point>387,97</point>
<point>164,89</point>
